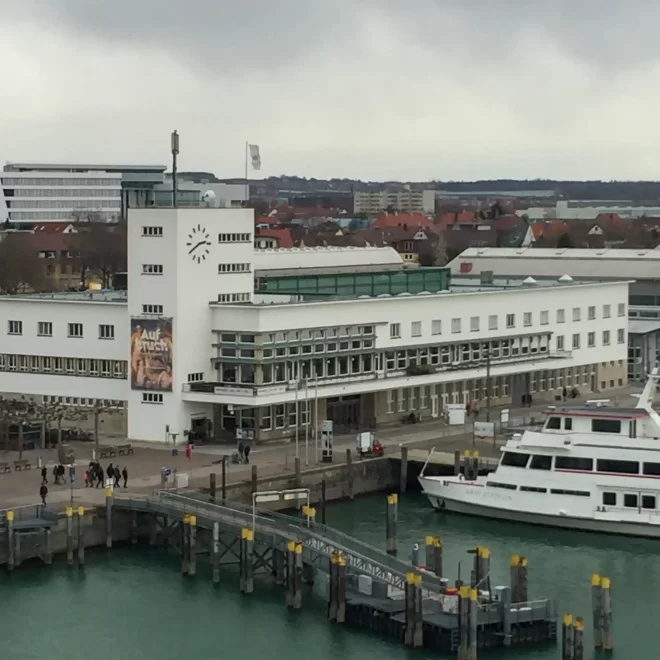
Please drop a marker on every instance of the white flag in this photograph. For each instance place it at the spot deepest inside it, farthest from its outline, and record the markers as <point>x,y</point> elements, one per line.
<point>255,157</point>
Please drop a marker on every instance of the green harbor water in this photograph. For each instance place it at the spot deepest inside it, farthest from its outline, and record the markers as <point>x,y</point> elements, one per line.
<point>133,603</point>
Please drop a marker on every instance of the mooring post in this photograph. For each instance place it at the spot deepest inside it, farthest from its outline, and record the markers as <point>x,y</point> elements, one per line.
<point>224,477</point>
<point>212,478</point>
<point>48,558</point>
<point>435,564</point>
<point>247,577</point>
<point>467,467</point>
<point>606,604</point>
<point>69,536</point>
<point>567,638</point>
<point>475,465</point>
<point>596,611</point>
<point>342,573</point>
<point>463,621</point>
<point>409,609</point>
<point>578,639</point>
<point>390,524</point>
<point>185,541</point>
<point>81,537</point>
<point>522,577</point>
<point>215,553</point>
<point>515,579</point>
<point>297,575</point>
<point>134,527</point>
<point>505,603</point>
<point>108,517</point>
<point>11,542</point>
<point>323,494</point>
<point>192,546</point>
<point>279,566</point>
<point>473,619</point>
<point>457,462</point>
<point>334,574</point>
<point>418,621</point>
<point>296,472</point>
<point>349,472</point>
<point>403,474</point>
<point>483,558</point>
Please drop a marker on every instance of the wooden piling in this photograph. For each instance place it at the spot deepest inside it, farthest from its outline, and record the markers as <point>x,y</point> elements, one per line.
<point>279,566</point>
<point>596,612</point>
<point>403,474</point>
<point>294,575</point>
<point>505,604</point>
<point>349,472</point>
<point>108,517</point>
<point>81,537</point>
<point>463,621</point>
<point>472,624</point>
<point>224,478</point>
<point>334,575</point>
<point>11,542</point>
<point>523,580</point>
<point>342,572</point>
<point>483,564</point>
<point>69,536</point>
<point>247,560</point>
<point>212,487</point>
<point>255,484</point>
<point>215,553</point>
<point>578,639</point>
<point>134,527</point>
<point>185,543</point>
<point>413,635</point>
<point>48,555</point>
<point>606,605</point>
<point>323,499</point>
<point>567,650</point>
<point>434,555</point>
<point>192,546</point>
<point>457,462</point>
<point>297,480</point>
<point>391,524</point>
<point>515,580</point>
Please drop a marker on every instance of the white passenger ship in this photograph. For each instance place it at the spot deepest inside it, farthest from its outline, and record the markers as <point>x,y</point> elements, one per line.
<point>591,468</point>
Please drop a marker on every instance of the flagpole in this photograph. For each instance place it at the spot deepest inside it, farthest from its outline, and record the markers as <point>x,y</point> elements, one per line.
<point>247,186</point>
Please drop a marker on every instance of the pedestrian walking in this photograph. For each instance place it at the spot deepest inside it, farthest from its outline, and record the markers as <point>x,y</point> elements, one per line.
<point>98,470</point>
<point>110,472</point>
<point>44,476</point>
<point>56,473</point>
<point>87,481</point>
<point>124,474</point>
<point>43,493</point>
<point>60,473</point>
<point>117,476</point>
<point>246,453</point>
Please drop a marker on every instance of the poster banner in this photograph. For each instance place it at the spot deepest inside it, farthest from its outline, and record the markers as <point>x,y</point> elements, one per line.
<point>151,354</point>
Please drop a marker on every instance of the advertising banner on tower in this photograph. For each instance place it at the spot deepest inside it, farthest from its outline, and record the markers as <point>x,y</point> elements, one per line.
<point>152,354</point>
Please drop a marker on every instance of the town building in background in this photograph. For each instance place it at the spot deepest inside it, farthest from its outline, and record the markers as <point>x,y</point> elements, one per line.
<point>375,202</point>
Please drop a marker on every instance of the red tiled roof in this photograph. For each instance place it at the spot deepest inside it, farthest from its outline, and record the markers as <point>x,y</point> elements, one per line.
<point>52,227</point>
<point>401,220</point>
<point>283,236</point>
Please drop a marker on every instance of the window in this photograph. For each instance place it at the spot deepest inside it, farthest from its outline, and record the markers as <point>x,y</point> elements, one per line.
<point>561,316</point>
<point>541,462</point>
<point>651,469</point>
<point>152,397</point>
<point>106,331</point>
<point>545,317</point>
<point>455,326</point>
<point>591,339</point>
<point>606,337</point>
<point>152,309</point>
<point>514,459</point>
<point>152,231</point>
<point>45,329</point>
<point>497,484</point>
<point>234,268</point>
<point>630,500</point>
<point>561,491</point>
<point>152,269</point>
<point>533,489</point>
<point>196,377</point>
<point>395,330</point>
<point>416,328</point>
<point>609,499</point>
<point>234,238</point>
<point>574,463</point>
<point>568,423</point>
<point>577,314</point>
<point>267,419</point>
<point>75,330</point>
<point>492,322</point>
<point>648,501</point>
<point>560,342</point>
<point>576,341</point>
<point>15,327</point>
<point>474,324</point>
<point>616,466</point>
<point>606,425</point>
<point>607,311</point>
<point>436,327</point>
<point>621,336</point>
<point>591,312</point>
<point>553,423</point>
<point>510,320</point>
<point>621,309</point>
<point>527,319</point>
<point>279,416</point>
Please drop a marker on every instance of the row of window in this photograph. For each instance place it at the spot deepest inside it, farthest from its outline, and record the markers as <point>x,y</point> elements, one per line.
<point>298,335</point>
<point>74,330</point>
<point>83,402</point>
<point>44,364</point>
<point>234,268</point>
<point>576,339</point>
<point>49,216</point>
<point>234,238</point>
<point>233,297</point>
<point>416,327</point>
<point>196,377</point>
<point>154,231</point>
<point>152,269</point>
<point>67,192</point>
<point>65,204</point>
<point>538,489</point>
<point>579,463</point>
<point>152,397</point>
<point>59,181</point>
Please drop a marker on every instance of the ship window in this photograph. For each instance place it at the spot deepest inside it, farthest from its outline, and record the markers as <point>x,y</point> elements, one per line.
<point>648,501</point>
<point>574,463</point>
<point>560,491</point>
<point>620,467</point>
<point>652,468</point>
<point>541,463</point>
<point>496,484</point>
<point>630,500</point>
<point>533,489</point>
<point>568,423</point>
<point>515,459</point>
<point>606,425</point>
<point>553,423</point>
<point>609,499</point>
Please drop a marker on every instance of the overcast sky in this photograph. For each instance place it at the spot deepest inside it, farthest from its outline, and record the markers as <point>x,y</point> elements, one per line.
<point>374,89</point>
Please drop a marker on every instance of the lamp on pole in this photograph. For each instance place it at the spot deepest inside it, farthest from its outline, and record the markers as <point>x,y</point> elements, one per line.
<point>316,418</point>
<point>174,143</point>
<point>297,418</point>
<point>488,381</point>
<point>307,421</point>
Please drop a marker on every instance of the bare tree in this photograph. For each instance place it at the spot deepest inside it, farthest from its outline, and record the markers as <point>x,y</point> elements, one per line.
<point>20,266</point>
<point>440,249</point>
<point>19,413</point>
<point>99,408</point>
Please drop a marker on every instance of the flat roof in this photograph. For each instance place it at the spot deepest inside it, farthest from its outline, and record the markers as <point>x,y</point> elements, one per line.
<point>643,326</point>
<point>564,254</point>
<point>82,167</point>
<point>293,259</point>
<point>105,296</point>
<point>596,411</point>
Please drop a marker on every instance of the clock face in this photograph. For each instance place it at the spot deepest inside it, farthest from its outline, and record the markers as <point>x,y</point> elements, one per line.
<point>198,244</point>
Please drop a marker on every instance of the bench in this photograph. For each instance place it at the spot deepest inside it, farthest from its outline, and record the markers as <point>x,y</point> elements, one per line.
<point>23,464</point>
<point>5,467</point>
<point>124,450</point>
<point>106,451</point>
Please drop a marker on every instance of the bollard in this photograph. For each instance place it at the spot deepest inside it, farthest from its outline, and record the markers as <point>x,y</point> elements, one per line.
<point>342,572</point>
<point>224,478</point>
<point>457,462</point>
<point>247,560</point>
<point>212,478</point>
<point>578,639</point>
<point>215,553</point>
<point>414,555</point>
<point>515,579</point>
<point>310,515</point>
<point>390,524</point>
<point>463,622</point>
<point>596,612</point>
<point>255,485</point>
<point>296,472</point>
<point>567,638</point>
<point>134,528</point>
<point>349,472</point>
<point>323,498</point>
<point>413,623</point>
<point>294,575</point>
<point>81,537</point>
<point>523,580</point>
<point>108,517</point>
<point>606,609</point>
<point>483,564</point>
<point>69,536</point>
<point>505,603</point>
<point>192,546</point>
<point>185,540</point>
<point>403,475</point>
<point>434,555</point>
<point>11,542</point>
<point>472,623</point>
<point>334,575</point>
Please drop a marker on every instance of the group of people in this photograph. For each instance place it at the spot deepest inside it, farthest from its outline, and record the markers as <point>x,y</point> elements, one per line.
<point>95,474</point>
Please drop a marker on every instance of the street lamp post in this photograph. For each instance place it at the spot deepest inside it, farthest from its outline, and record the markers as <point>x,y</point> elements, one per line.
<point>316,418</point>
<point>307,421</point>
<point>297,419</point>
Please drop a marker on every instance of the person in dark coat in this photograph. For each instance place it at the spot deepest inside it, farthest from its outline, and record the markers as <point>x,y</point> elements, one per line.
<point>124,474</point>
<point>56,472</point>
<point>60,473</point>
<point>44,476</point>
<point>117,476</point>
<point>43,493</point>
<point>110,472</point>
<point>98,471</point>
<point>246,453</point>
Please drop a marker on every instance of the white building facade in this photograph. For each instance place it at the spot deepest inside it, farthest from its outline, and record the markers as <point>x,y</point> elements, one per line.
<point>192,343</point>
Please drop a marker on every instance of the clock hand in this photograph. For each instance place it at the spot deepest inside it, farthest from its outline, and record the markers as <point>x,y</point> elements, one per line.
<point>195,247</point>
